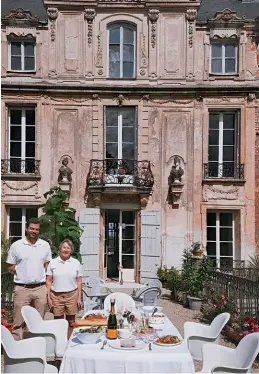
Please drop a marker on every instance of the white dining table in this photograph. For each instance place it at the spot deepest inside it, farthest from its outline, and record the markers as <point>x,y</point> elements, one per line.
<point>125,285</point>
<point>90,358</point>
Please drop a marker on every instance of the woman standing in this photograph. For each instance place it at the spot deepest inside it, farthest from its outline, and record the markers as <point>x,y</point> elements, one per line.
<point>64,284</point>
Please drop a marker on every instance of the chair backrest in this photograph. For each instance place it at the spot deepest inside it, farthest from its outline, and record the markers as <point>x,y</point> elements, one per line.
<point>122,301</point>
<point>89,304</point>
<point>154,283</point>
<point>247,350</point>
<point>150,296</point>
<point>94,283</point>
<point>32,318</point>
<point>17,355</point>
<point>218,323</point>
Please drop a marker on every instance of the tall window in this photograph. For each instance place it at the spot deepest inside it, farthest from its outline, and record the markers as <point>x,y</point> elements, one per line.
<point>17,221</point>
<point>22,56</point>
<point>120,139</point>
<point>220,238</point>
<point>22,140</point>
<point>222,145</point>
<point>122,51</point>
<point>224,57</point>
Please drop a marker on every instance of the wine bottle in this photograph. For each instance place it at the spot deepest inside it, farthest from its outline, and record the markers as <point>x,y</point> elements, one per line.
<point>112,331</point>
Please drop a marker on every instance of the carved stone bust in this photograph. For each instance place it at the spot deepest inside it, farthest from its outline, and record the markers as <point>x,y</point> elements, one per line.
<point>176,172</point>
<point>65,173</point>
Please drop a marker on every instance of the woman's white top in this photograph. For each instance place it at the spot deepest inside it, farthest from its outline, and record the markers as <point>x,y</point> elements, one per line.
<point>64,274</point>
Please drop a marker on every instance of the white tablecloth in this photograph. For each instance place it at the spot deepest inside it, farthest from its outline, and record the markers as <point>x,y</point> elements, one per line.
<point>89,358</point>
<point>125,285</point>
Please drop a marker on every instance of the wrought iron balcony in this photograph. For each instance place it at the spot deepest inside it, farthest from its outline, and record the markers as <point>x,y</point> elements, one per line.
<point>124,173</point>
<point>15,166</point>
<point>225,170</point>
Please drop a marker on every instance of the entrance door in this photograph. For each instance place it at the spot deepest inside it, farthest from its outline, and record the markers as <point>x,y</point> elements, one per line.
<point>120,243</point>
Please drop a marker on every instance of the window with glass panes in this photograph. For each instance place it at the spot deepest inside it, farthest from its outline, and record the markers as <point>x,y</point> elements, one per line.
<point>122,51</point>
<point>223,145</point>
<point>224,57</point>
<point>220,238</point>
<point>17,221</point>
<point>21,140</point>
<point>22,56</point>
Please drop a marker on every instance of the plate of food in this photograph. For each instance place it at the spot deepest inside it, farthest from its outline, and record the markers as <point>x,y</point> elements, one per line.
<point>92,320</point>
<point>168,340</point>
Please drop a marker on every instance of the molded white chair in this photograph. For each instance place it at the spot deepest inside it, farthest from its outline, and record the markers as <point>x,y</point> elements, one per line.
<point>154,283</point>
<point>95,292</point>
<point>147,296</point>
<point>89,303</point>
<point>197,334</point>
<point>122,301</point>
<point>53,331</point>
<point>217,358</point>
<point>24,356</point>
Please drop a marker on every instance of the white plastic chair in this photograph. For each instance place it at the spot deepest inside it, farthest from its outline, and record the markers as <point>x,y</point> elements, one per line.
<point>147,296</point>
<point>217,358</point>
<point>24,356</point>
<point>53,331</point>
<point>197,334</point>
<point>90,304</point>
<point>154,283</point>
<point>122,301</point>
<point>95,292</point>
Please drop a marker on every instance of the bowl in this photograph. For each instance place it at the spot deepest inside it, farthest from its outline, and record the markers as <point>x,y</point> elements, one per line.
<point>86,338</point>
<point>124,333</point>
<point>157,319</point>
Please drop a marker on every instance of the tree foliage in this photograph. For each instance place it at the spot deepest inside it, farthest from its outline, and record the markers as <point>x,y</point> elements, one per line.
<point>58,221</point>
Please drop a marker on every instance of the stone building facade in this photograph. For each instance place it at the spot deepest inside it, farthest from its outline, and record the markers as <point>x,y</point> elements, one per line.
<point>145,112</point>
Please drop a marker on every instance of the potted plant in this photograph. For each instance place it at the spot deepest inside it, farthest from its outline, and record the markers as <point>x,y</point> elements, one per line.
<point>197,249</point>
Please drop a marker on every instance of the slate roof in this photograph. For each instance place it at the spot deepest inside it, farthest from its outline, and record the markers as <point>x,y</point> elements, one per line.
<point>209,8</point>
<point>35,6</point>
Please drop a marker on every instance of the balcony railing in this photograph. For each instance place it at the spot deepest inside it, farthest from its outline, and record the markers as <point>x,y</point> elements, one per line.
<point>115,172</point>
<point>225,170</point>
<point>17,166</point>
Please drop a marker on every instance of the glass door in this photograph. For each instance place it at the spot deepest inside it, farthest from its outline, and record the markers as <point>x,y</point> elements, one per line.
<point>120,146</point>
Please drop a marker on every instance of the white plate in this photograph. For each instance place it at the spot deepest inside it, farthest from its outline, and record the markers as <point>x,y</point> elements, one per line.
<point>167,345</point>
<point>117,345</point>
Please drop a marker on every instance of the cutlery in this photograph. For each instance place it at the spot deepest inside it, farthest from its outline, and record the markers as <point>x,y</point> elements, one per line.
<point>154,311</point>
<point>150,347</point>
<point>104,343</point>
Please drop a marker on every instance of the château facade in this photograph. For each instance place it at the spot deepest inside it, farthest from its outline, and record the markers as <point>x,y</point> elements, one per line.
<point>146,113</point>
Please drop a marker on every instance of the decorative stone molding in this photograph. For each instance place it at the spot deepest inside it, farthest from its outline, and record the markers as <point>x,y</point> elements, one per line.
<point>227,18</point>
<point>219,33</point>
<point>96,199</point>
<point>144,200</point>
<point>251,97</point>
<point>53,15</point>
<point>120,99</point>
<point>191,15</point>
<point>90,16</point>
<point>20,16</point>
<point>118,199</point>
<point>220,193</point>
<point>143,55</point>
<point>19,188</point>
<point>99,55</point>
<point>53,74</point>
<point>153,15</point>
<point>17,32</point>
<point>175,180</point>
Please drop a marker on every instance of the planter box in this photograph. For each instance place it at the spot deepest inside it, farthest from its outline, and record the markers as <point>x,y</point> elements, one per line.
<point>195,303</point>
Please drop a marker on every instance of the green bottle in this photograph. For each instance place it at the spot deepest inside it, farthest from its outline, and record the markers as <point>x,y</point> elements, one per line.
<point>112,332</point>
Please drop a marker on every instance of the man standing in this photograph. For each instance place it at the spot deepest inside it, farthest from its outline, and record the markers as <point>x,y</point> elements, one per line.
<point>28,260</point>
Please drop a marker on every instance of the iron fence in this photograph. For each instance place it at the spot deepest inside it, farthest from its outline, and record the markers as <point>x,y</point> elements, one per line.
<point>225,170</point>
<point>242,287</point>
<point>18,166</point>
<point>7,286</point>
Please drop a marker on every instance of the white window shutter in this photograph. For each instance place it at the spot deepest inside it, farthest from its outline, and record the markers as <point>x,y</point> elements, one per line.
<point>89,221</point>
<point>150,244</point>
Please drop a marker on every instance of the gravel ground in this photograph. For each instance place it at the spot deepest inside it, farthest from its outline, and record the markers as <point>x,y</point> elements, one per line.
<point>178,315</point>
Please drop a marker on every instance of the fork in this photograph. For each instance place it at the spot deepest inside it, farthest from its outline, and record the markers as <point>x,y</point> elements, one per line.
<point>150,346</point>
<point>104,343</point>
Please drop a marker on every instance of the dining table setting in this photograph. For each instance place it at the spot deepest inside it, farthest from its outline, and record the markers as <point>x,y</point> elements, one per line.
<point>146,342</point>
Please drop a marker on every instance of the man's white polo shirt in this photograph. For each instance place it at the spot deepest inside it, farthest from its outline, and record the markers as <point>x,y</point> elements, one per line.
<point>29,260</point>
<point>64,274</point>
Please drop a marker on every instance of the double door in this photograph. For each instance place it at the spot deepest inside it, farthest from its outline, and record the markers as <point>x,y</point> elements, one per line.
<point>120,243</point>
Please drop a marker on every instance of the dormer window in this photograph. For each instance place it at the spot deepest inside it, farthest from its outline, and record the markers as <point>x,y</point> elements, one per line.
<point>21,56</point>
<point>224,57</point>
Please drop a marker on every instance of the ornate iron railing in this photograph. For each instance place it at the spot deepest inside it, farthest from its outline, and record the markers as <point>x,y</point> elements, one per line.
<point>225,170</point>
<point>244,292</point>
<point>7,286</point>
<point>18,166</point>
<point>120,172</point>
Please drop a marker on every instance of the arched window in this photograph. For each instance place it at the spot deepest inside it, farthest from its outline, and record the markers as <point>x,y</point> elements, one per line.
<point>122,50</point>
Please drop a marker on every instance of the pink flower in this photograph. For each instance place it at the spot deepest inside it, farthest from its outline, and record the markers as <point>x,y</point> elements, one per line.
<point>224,302</point>
<point>223,296</point>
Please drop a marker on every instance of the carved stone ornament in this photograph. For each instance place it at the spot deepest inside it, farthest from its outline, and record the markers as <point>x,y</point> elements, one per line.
<point>251,97</point>
<point>223,33</point>
<point>226,16</point>
<point>175,181</point>
<point>144,200</point>
<point>120,99</point>
<point>220,193</point>
<point>53,15</point>
<point>20,16</point>
<point>99,55</point>
<point>20,188</point>
<point>191,15</point>
<point>153,15</point>
<point>90,16</point>
<point>65,173</point>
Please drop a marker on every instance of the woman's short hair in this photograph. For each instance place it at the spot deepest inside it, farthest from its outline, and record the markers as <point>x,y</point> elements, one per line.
<point>71,245</point>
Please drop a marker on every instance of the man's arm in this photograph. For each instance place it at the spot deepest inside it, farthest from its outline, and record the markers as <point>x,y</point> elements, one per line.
<point>11,268</point>
<point>11,260</point>
<point>48,258</point>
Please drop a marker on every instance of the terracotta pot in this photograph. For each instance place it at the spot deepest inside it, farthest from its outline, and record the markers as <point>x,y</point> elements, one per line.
<point>197,253</point>
<point>232,335</point>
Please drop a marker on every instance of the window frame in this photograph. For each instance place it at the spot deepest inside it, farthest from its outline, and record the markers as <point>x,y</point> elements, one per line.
<point>218,242</point>
<point>223,44</point>
<point>23,222</point>
<point>133,27</point>
<point>220,144</point>
<point>23,136</point>
<point>22,56</point>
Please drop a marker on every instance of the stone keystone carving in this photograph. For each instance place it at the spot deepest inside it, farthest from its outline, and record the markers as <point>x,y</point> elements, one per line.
<point>226,15</point>
<point>65,173</point>
<point>153,16</point>
<point>90,16</point>
<point>53,15</point>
